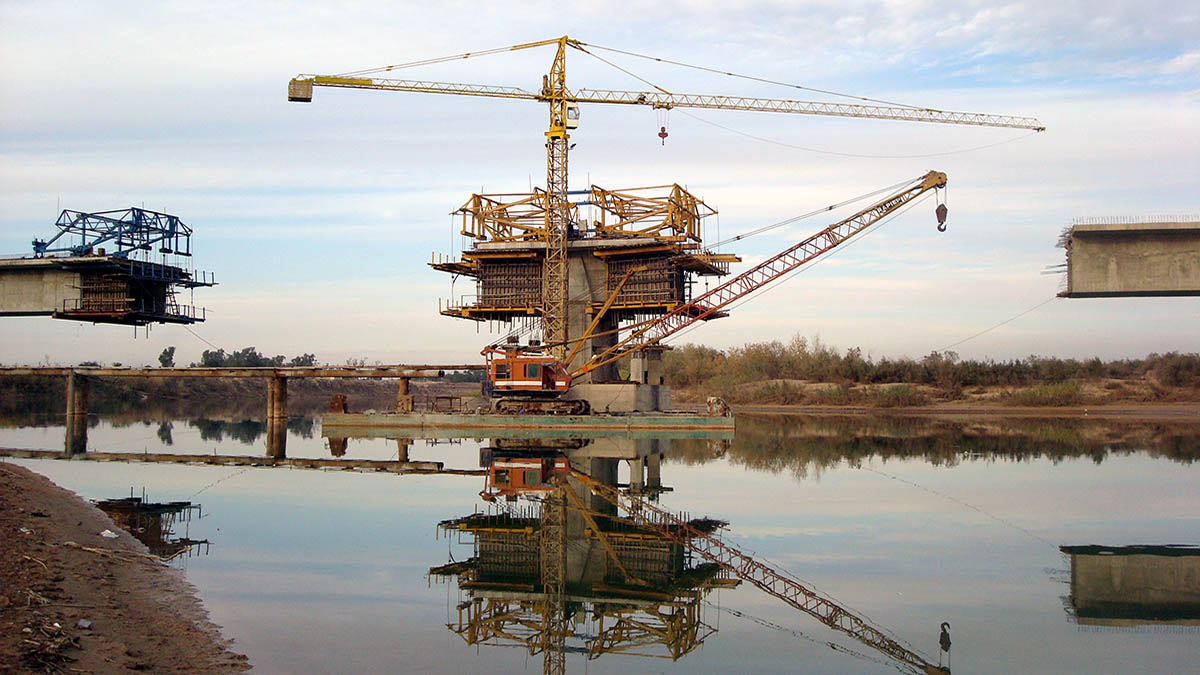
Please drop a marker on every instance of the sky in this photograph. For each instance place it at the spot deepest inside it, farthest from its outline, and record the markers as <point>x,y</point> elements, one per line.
<point>318,220</point>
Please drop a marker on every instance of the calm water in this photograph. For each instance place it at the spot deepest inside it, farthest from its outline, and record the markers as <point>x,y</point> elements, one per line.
<point>908,522</point>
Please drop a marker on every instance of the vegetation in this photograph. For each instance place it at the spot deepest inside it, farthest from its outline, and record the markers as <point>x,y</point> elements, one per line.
<point>248,357</point>
<point>807,371</point>
<point>167,358</point>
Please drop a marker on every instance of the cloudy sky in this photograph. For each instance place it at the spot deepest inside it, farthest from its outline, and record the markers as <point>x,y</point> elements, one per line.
<point>318,219</point>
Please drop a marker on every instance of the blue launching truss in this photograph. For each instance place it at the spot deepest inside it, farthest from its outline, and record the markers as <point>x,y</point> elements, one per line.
<point>131,231</point>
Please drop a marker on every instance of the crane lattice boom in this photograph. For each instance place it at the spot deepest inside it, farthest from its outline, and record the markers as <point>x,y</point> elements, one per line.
<point>708,305</point>
<point>661,100</point>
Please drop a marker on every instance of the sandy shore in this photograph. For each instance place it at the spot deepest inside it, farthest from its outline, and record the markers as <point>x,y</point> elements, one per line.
<point>74,601</point>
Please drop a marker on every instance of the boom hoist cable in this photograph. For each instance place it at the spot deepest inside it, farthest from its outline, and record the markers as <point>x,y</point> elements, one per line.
<point>711,304</point>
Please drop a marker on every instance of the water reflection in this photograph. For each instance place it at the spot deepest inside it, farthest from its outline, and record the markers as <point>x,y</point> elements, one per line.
<point>804,445</point>
<point>154,524</point>
<point>1129,586</point>
<point>622,588</point>
<point>961,538</point>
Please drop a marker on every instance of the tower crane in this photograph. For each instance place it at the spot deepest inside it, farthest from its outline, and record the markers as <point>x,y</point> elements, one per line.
<point>563,104</point>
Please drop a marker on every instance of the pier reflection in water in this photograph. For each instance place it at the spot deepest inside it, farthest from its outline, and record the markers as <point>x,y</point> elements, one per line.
<point>1135,586</point>
<point>912,521</point>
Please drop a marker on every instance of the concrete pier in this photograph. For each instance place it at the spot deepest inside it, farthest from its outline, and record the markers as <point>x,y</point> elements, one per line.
<point>1141,259</point>
<point>277,410</point>
<point>77,412</point>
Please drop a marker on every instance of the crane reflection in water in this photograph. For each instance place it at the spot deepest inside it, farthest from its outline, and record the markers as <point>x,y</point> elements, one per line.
<point>625,588</point>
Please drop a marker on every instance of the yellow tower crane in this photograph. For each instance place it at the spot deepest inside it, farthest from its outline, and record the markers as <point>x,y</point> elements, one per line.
<point>564,116</point>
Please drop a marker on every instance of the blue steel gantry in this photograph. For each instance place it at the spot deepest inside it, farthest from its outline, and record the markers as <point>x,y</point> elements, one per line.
<point>120,267</point>
<point>131,231</point>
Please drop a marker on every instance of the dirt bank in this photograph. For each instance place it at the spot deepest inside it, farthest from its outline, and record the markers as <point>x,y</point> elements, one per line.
<point>74,601</point>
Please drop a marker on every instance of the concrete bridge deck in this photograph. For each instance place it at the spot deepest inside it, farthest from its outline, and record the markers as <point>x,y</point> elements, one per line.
<point>1148,259</point>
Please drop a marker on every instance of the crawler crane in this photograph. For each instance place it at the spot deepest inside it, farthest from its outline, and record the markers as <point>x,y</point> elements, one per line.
<point>529,379</point>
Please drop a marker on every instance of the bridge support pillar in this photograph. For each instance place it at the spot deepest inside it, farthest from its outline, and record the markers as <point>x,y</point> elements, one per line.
<point>77,411</point>
<point>404,400</point>
<point>277,416</point>
<point>654,471</point>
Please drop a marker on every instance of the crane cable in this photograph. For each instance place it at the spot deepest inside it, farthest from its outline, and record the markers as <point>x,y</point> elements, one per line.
<point>831,207</point>
<point>776,283</point>
<point>799,634</point>
<point>762,139</point>
<point>765,228</point>
<point>746,77</point>
<point>425,62</point>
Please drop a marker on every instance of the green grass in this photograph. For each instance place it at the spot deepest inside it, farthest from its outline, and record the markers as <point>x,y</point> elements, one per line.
<point>1056,394</point>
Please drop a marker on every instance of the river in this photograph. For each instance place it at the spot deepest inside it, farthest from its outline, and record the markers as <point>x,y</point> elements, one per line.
<point>906,522</point>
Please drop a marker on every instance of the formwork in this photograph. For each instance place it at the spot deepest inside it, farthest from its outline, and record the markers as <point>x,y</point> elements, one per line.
<point>632,255</point>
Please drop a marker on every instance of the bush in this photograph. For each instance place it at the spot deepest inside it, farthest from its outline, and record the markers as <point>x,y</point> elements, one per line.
<point>1055,394</point>
<point>899,396</point>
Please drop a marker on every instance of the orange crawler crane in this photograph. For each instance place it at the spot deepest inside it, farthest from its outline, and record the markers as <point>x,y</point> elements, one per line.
<point>530,379</point>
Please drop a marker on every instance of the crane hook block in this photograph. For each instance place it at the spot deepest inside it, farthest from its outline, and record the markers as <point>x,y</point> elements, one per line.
<point>662,133</point>
<point>941,212</point>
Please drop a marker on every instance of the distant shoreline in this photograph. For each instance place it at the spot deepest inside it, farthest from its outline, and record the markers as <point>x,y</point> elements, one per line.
<point>1183,412</point>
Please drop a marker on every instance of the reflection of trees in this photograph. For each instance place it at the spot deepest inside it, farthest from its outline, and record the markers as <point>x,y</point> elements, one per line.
<point>164,433</point>
<point>305,427</point>
<point>804,444</point>
<point>41,401</point>
<point>246,431</point>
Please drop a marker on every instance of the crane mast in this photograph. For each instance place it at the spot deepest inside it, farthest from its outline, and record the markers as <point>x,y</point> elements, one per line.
<point>558,206</point>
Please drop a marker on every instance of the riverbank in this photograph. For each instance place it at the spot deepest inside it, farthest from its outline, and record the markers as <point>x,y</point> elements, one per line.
<point>72,600</point>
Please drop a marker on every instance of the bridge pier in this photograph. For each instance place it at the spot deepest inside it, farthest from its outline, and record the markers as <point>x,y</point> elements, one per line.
<point>277,416</point>
<point>404,400</point>
<point>76,417</point>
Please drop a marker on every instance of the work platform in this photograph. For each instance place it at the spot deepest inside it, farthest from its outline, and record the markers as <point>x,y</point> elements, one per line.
<point>1132,259</point>
<point>99,289</point>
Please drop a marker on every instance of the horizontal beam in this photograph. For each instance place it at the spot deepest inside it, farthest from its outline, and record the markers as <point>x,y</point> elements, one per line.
<point>285,371</point>
<point>388,466</point>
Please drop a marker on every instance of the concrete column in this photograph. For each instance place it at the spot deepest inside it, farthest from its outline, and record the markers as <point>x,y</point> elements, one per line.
<point>402,446</point>
<point>404,400</point>
<point>654,372</point>
<point>604,470</point>
<point>654,471</point>
<point>277,398</point>
<point>637,474</point>
<point>77,411</point>
<point>277,437</point>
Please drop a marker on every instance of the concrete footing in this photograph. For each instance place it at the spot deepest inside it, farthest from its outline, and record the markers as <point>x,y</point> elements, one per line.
<point>623,397</point>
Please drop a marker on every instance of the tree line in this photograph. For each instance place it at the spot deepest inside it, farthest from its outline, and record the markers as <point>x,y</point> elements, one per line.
<point>811,360</point>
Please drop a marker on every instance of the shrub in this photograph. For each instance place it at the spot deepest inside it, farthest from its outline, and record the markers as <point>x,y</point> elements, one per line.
<point>1055,394</point>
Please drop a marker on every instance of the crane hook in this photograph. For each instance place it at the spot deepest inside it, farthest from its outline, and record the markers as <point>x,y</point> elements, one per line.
<point>662,133</point>
<point>941,212</point>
